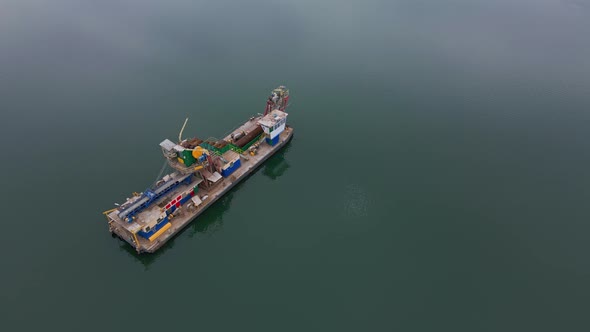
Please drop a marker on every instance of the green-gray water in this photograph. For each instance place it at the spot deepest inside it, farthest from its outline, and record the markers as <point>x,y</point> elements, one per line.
<point>437,181</point>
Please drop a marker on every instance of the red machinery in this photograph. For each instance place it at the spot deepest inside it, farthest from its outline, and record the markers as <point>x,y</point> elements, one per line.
<point>278,100</point>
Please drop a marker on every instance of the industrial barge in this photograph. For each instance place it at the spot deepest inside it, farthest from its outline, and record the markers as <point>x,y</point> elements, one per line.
<point>204,170</point>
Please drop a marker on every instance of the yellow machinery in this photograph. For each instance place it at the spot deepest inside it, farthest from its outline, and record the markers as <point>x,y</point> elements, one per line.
<point>199,151</point>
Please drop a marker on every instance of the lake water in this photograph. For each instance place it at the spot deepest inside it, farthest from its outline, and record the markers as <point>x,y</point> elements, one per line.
<point>437,180</point>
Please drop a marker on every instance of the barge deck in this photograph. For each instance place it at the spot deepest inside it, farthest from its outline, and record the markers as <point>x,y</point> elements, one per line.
<point>184,216</point>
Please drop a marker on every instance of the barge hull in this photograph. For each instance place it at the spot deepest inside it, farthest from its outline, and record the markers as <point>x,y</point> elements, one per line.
<point>184,218</point>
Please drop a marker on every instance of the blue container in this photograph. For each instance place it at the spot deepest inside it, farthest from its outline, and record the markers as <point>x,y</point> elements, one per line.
<point>228,171</point>
<point>272,142</point>
<point>146,235</point>
<point>185,199</point>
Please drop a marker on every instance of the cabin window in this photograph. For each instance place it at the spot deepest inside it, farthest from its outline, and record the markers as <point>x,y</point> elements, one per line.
<point>160,220</point>
<point>147,229</point>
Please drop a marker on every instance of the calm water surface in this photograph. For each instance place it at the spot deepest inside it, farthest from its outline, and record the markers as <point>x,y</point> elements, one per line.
<point>438,178</point>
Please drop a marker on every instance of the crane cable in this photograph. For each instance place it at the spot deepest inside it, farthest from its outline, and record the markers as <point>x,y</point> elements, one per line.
<point>161,172</point>
<point>181,130</point>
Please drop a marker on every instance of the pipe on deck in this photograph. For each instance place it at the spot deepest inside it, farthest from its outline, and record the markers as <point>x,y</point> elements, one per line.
<point>249,137</point>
